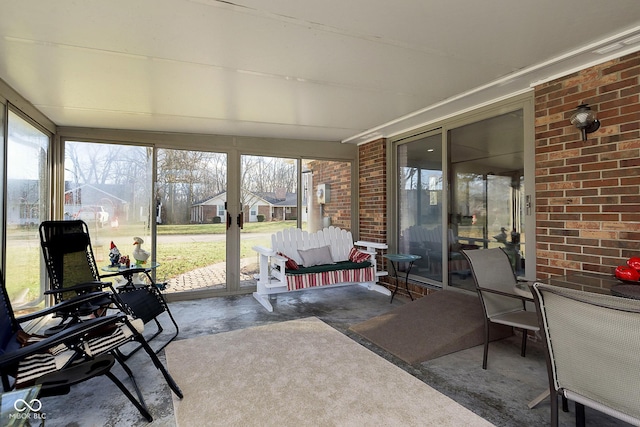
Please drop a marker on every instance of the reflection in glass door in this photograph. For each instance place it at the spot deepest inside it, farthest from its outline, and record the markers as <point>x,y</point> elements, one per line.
<point>420,205</point>
<point>487,189</point>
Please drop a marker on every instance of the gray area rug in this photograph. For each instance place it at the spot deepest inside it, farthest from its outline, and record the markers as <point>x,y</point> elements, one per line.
<point>429,327</point>
<point>300,373</point>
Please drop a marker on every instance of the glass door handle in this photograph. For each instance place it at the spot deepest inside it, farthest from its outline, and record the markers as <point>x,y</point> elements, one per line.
<point>228,220</point>
<point>240,220</point>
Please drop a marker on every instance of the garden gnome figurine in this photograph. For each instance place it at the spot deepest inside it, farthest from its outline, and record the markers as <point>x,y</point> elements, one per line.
<point>114,255</point>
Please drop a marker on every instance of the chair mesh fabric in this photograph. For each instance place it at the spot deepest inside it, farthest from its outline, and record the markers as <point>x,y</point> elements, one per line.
<point>68,255</point>
<point>492,269</point>
<point>594,345</point>
<point>144,302</point>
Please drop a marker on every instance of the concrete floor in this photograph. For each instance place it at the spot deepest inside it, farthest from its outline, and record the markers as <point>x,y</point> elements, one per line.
<point>499,394</point>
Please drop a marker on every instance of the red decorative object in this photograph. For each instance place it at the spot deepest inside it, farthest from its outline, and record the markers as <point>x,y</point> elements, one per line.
<point>358,256</point>
<point>626,273</point>
<point>634,262</point>
<point>290,264</point>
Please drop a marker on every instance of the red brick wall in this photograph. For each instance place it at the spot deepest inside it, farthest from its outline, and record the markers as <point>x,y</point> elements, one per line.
<point>588,192</point>
<point>372,164</point>
<point>337,175</point>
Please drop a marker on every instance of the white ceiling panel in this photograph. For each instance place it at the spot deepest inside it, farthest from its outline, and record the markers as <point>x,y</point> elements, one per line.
<point>330,70</point>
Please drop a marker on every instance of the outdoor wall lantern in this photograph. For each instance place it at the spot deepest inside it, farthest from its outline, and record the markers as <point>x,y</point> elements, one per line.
<point>585,120</point>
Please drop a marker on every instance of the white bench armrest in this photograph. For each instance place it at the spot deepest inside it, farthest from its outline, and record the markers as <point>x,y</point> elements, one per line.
<point>372,245</point>
<point>264,251</point>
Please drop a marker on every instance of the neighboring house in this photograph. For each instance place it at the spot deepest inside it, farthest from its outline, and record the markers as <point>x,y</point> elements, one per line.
<point>206,210</point>
<point>280,206</point>
<point>274,206</point>
<point>87,196</point>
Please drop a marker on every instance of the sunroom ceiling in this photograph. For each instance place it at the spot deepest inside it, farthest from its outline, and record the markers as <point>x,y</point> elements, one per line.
<point>327,70</point>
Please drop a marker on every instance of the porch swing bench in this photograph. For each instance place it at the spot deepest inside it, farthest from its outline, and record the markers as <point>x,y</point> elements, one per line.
<point>300,260</point>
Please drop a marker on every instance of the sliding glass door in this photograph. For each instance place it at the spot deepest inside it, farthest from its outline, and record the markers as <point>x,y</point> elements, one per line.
<point>420,205</point>
<point>268,203</point>
<point>192,220</point>
<point>199,212</point>
<point>475,200</point>
<point>486,173</point>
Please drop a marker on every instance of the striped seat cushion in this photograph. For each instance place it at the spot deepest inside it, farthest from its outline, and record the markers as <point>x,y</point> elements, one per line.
<point>37,365</point>
<point>117,337</point>
<point>310,280</point>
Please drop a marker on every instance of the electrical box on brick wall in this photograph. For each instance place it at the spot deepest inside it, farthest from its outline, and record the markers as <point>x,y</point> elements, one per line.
<point>323,193</point>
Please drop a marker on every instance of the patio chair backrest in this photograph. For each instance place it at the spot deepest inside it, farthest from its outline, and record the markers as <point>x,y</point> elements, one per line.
<point>8,325</point>
<point>68,254</point>
<point>593,344</point>
<point>491,269</point>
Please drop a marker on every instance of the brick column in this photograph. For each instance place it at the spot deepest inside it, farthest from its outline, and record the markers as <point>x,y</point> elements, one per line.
<point>372,164</point>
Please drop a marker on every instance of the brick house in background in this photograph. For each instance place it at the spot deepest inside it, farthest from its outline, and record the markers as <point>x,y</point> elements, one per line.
<point>273,206</point>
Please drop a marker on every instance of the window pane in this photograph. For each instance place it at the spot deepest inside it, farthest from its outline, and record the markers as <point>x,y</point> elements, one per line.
<point>109,187</point>
<point>420,205</point>
<point>487,185</point>
<point>191,196</point>
<point>269,202</point>
<point>27,196</point>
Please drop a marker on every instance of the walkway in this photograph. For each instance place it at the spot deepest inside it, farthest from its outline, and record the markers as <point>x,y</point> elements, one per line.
<point>210,277</point>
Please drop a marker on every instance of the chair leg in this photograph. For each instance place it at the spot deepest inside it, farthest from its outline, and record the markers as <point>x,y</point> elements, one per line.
<point>140,405</point>
<point>554,408</point>
<point>154,357</point>
<point>523,349</point>
<point>486,344</point>
<point>127,370</point>
<point>580,420</point>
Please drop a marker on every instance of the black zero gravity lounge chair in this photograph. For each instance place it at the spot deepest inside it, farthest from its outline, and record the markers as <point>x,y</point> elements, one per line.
<point>81,351</point>
<point>72,269</point>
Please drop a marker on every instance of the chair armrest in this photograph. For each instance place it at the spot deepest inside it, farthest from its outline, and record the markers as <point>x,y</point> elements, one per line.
<point>66,305</point>
<point>506,294</point>
<point>79,288</point>
<point>264,251</point>
<point>279,258</point>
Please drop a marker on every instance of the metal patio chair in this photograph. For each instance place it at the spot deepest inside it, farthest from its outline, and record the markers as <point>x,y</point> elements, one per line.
<point>593,351</point>
<point>495,280</point>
